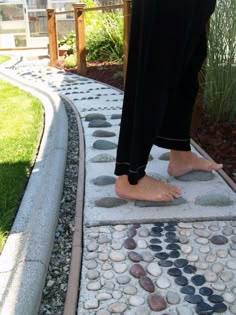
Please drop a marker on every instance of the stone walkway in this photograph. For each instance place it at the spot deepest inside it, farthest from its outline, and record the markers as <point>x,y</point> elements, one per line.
<point>139,257</point>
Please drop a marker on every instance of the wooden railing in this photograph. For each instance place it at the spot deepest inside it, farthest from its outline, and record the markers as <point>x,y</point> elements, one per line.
<point>79,13</point>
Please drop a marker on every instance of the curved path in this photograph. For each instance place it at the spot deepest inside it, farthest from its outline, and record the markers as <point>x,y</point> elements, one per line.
<point>139,257</point>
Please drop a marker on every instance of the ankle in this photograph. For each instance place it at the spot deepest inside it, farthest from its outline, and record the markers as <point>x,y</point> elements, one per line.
<point>176,156</point>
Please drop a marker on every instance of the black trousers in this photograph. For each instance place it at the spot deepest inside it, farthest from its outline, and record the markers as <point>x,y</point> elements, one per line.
<point>167,48</point>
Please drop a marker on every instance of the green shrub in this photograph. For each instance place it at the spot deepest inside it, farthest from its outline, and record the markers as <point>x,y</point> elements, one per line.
<point>70,61</point>
<point>220,85</point>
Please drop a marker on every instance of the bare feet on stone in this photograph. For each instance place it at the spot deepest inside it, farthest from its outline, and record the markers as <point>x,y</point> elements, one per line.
<point>147,189</point>
<point>182,162</point>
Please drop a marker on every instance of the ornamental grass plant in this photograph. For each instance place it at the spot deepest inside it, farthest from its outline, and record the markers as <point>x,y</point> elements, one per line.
<point>220,84</point>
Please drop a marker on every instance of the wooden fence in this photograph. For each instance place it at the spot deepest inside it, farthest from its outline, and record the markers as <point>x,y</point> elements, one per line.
<point>79,13</point>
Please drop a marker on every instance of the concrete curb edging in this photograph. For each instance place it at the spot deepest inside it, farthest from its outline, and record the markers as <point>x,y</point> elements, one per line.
<point>26,255</point>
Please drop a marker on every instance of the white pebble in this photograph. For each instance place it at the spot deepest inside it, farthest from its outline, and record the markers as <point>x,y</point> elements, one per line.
<point>202,240</point>
<point>142,244</point>
<point>231,264</point>
<point>210,258</point>
<point>210,276</point>
<point>201,265</point>
<point>120,227</point>
<point>136,300</point>
<point>120,268</point>
<point>91,304</point>
<point>94,286</point>
<point>217,267</point>
<point>227,276</point>
<point>116,295</point>
<point>185,225</point>
<point>154,269</point>
<point>185,233</point>
<point>232,308</point>
<point>187,249</point>
<point>229,297</point>
<point>163,282</point>
<point>130,290</point>
<point>184,310</point>
<point>116,245</point>
<point>115,256</point>
<point>103,296</point>
<point>221,253</point>
<point>92,247</point>
<point>106,266</point>
<point>108,275</point>
<point>193,258</point>
<point>218,286</point>
<point>204,249</point>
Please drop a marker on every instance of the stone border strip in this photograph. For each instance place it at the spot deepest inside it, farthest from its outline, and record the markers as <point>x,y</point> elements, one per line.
<point>72,293</point>
<point>25,257</point>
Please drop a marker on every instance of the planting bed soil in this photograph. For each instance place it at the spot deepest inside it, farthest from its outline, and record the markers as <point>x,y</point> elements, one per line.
<point>217,139</point>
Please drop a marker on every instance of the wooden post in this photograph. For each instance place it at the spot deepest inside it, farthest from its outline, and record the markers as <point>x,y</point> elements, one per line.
<point>80,38</point>
<point>52,36</point>
<point>127,19</point>
<point>199,103</point>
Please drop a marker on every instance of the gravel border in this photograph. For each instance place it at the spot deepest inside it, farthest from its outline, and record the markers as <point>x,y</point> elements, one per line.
<point>54,292</point>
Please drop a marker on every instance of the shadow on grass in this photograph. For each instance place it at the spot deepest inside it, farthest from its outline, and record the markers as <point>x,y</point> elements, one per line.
<point>13,180</point>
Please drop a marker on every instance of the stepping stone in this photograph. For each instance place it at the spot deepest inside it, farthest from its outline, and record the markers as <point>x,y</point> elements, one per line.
<point>104,145</point>
<point>100,158</point>
<point>110,202</point>
<point>216,200</point>
<point>196,176</point>
<point>175,202</point>
<point>103,133</point>
<point>95,116</point>
<point>115,116</point>
<point>99,124</point>
<point>104,180</point>
<point>165,156</point>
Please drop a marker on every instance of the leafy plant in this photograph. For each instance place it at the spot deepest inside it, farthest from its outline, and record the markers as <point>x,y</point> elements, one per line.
<point>68,43</point>
<point>220,85</point>
<point>70,61</point>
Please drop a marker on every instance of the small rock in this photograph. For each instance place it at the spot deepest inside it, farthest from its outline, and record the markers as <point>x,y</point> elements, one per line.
<point>156,302</point>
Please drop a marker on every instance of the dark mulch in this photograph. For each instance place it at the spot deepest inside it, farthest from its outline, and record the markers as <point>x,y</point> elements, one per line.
<point>217,139</point>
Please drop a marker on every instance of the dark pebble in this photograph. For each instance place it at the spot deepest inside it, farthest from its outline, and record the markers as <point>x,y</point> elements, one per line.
<point>205,291</point>
<point>204,309</point>
<point>174,254</point>
<point>219,239</point>
<point>130,243</point>
<point>155,241</point>
<point>183,281</point>
<point>157,229</point>
<point>173,246</point>
<point>174,240</point>
<point>220,308</point>
<point>155,248</point>
<point>158,224</point>
<point>165,263</point>
<point>131,232</point>
<point>188,290</point>
<point>147,284</point>
<point>137,271</point>
<point>170,235</point>
<point>174,272</point>
<point>104,145</point>
<point>136,225</point>
<point>193,299</point>
<point>190,269</point>
<point>215,298</point>
<point>170,228</point>
<point>198,280</point>
<point>157,234</point>
<point>95,116</point>
<point>162,255</point>
<point>135,257</point>
<point>180,263</point>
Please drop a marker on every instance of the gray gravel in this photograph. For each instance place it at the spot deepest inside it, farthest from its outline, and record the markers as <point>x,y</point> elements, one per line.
<point>54,292</point>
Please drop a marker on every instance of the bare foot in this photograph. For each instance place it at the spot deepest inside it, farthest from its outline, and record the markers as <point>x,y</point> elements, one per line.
<point>148,189</point>
<point>182,162</point>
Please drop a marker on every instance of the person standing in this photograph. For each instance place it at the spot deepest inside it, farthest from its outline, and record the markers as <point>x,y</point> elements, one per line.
<point>167,48</point>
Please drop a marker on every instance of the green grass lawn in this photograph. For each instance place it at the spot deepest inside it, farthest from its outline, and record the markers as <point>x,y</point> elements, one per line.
<point>4,58</point>
<point>21,125</point>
